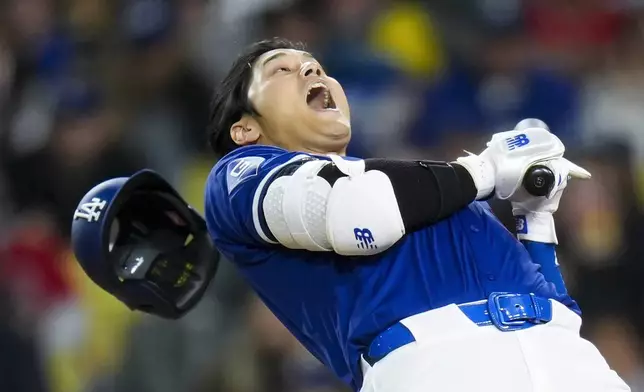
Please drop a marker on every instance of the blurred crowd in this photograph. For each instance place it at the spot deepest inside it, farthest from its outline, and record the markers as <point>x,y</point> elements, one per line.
<point>95,89</point>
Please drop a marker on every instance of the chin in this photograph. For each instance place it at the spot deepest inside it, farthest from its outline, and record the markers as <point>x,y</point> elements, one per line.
<point>338,139</point>
<point>336,130</point>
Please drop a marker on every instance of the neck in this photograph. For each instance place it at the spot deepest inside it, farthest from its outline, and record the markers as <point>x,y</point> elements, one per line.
<point>325,147</point>
<point>340,151</point>
<point>337,150</point>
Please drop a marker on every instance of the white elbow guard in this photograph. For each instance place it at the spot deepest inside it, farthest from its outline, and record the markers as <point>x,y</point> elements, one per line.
<point>295,208</point>
<point>359,215</point>
<point>363,217</point>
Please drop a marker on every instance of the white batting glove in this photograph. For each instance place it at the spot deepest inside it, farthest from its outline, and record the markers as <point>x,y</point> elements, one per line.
<point>534,215</point>
<point>483,172</point>
<point>501,166</point>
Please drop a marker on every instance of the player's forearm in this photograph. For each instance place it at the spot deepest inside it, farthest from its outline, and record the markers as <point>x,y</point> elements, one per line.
<point>536,231</point>
<point>426,191</point>
<point>545,255</point>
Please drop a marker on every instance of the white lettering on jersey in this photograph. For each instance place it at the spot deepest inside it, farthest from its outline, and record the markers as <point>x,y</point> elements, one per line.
<point>241,169</point>
<point>90,211</point>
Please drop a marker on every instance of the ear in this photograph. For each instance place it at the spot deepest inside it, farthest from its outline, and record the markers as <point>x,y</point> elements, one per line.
<point>245,131</point>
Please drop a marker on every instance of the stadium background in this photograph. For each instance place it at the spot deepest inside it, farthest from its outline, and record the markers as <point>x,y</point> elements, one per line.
<point>93,89</point>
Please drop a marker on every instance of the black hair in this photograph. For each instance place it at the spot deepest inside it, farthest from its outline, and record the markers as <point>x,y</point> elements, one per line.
<point>230,99</point>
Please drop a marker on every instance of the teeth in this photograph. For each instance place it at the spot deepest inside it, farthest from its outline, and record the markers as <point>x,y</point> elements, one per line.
<point>316,85</point>
<point>327,94</point>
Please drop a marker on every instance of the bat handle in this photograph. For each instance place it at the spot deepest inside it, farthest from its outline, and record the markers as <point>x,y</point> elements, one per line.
<point>539,180</point>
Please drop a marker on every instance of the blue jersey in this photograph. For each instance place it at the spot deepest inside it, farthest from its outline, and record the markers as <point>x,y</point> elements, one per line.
<point>335,305</point>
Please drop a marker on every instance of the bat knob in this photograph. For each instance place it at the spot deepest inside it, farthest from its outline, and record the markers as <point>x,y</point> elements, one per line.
<point>531,123</point>
<point>539,180</point>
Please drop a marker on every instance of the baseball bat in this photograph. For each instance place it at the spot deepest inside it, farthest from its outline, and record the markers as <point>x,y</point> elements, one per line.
<point>539,179</point>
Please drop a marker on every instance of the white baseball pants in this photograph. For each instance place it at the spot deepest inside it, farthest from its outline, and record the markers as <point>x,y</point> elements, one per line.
<point>452,354</point>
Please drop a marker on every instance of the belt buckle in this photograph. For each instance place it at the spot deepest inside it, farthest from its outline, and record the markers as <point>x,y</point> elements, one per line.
<point>500,318</point>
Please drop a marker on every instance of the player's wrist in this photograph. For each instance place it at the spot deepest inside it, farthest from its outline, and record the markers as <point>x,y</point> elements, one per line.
<point>482,172</point>
<point>535,226</point>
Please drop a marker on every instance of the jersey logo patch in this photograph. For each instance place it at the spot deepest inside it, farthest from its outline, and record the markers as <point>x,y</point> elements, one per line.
<point>517,141</point>
<point>365,239</point>
<point>241,169</point>
<point>90,211</point>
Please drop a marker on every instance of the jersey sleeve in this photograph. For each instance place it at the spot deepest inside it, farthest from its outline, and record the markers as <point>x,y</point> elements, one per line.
<point>234,192</point>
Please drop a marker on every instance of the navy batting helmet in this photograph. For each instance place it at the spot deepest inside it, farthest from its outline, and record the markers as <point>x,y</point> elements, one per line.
<point>139,240</point>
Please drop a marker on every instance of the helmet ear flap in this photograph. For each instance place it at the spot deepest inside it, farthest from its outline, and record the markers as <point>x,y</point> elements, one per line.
<point>146,297</point>
<point>160,272</point>
<point>131,262</point>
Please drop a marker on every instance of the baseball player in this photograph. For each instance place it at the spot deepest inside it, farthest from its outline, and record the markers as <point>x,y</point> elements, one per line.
<point>393,273</point>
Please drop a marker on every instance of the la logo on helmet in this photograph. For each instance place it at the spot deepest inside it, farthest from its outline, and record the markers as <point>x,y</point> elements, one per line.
<point>90,211</point>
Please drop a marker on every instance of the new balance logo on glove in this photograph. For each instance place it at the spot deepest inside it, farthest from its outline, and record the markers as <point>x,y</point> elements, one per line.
<point>517,141</point>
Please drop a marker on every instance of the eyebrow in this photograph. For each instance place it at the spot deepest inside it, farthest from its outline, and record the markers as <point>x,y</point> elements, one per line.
<point>280,54</point>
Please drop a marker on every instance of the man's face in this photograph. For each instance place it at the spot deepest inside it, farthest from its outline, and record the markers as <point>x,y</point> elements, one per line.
<point>300,107</point>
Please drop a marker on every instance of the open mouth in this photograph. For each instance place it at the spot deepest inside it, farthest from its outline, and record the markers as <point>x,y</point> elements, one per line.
<point>319,97</point>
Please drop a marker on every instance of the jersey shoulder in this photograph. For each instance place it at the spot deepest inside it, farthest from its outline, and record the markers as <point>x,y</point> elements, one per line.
<point>244,164</point>
<point>234,189</point>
